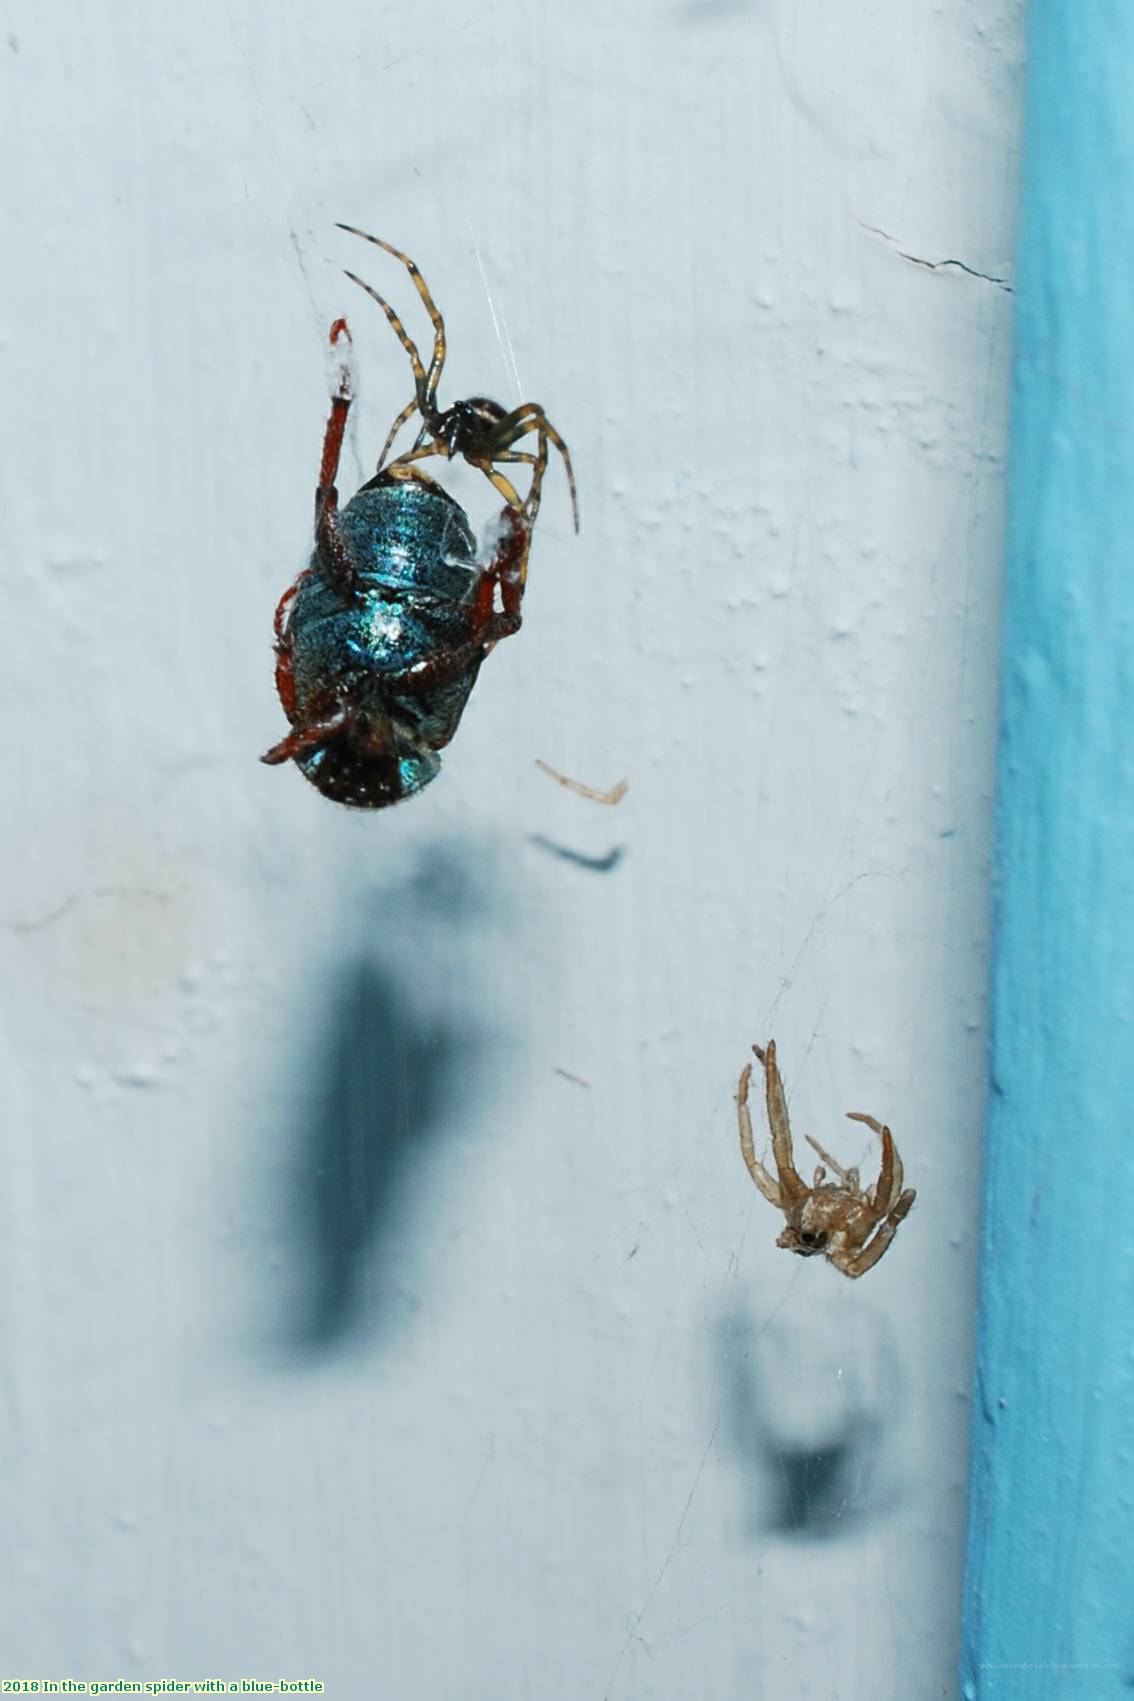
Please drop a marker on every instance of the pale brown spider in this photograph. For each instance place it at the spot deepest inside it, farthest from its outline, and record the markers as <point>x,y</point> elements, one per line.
<point>834,1221</point>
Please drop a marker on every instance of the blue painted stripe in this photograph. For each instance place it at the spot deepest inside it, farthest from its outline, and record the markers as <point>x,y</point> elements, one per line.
<point>1049,1609</point>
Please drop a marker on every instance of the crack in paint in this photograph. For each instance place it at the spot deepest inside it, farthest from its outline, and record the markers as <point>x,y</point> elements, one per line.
<point>936,265</point>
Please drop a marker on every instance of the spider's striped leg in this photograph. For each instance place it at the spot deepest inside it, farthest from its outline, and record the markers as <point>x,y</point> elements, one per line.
<point>409,408</point>
<point>529,416</point>
<point>538,463</point>
<point>400,332</point>
<point>507,490</point>
<point>539,467</point>
<point>430,380</point>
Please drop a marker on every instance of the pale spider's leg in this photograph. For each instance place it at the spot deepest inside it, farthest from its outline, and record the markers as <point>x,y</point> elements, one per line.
<point>433,377</point>
<point>747,1146</point>
<point>873,1250</point>
<point>849,1177</point>
<point>871,1122</point>
<point>531,417</point>
<point>792,1184</point>
<point>891,1176</point>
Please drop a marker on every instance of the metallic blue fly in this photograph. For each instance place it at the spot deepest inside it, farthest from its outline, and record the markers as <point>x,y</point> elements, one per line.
<point>380,640</point>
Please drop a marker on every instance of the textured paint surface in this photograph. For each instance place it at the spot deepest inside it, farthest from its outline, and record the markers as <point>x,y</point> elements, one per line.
<point>1050,1609</point>
<point>382,1295</point>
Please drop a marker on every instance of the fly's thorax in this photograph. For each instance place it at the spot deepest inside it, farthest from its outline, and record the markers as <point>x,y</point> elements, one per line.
<point>414,557</point>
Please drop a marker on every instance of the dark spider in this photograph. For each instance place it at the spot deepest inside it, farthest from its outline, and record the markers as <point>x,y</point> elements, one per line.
<point>478,429</point>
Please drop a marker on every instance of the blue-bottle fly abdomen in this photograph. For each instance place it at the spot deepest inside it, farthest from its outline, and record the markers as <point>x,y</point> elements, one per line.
<point>415,578</point>
<point>380,640</point>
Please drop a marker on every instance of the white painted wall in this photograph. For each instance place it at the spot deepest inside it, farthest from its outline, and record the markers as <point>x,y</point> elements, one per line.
<point>342,1335</point>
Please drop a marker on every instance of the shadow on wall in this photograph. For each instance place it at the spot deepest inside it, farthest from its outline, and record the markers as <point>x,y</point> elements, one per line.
<point>604,864</point>
<point>814,1414</point>
<point>396,1068</point>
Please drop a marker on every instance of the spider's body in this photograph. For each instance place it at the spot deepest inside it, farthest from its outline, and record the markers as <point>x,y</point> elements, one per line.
<point>380,640</point>
<point>479,430</point>
<point>826,1221</point>
<point>464,427</point>
<point>833,1220</point>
